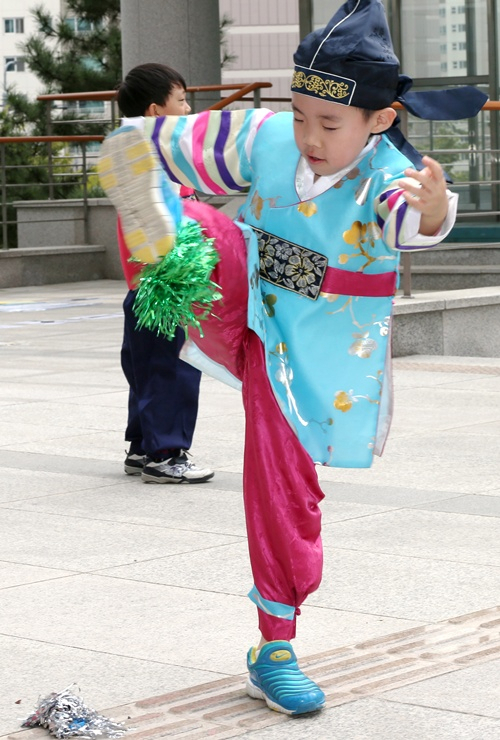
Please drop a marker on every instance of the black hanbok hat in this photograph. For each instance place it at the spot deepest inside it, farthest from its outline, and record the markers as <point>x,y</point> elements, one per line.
<point>352,62</point>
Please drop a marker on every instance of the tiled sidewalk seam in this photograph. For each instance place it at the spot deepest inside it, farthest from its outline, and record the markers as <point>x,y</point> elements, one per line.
<point>221,709</point>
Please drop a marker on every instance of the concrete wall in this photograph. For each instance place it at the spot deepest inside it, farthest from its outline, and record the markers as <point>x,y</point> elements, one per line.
<point>461,323</point>
<point>181,33</point>
<point>45,223</point>
<point>51,265</point>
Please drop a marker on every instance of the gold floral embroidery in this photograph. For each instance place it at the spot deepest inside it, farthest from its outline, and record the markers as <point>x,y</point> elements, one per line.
<point>308,209</point>
<point>337,89</point>
<point>362,237</point>
<point>298,79</point>
<point>343,401</point>
<point>330,297</point>
<point>363,346</point>
<point>253,277</point>
<point>269,302</point>
<point>257,205</point>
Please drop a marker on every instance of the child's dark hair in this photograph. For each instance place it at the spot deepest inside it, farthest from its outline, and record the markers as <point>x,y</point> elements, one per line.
<point>146,84</point>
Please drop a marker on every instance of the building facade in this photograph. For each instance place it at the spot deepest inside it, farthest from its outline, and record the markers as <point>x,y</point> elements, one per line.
<point>435,39</point>
<point>444,39</point>
<point>439,42</point>
<point>17,24</point>
<point>262,37</point>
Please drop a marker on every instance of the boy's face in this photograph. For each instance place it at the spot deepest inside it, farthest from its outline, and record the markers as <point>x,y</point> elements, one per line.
<point>175,105</point>
<point>329,135</point>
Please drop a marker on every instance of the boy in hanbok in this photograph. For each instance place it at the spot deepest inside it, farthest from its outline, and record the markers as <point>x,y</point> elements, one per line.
<point>307,277</point>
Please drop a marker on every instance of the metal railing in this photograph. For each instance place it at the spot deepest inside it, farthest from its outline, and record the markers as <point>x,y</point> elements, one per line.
<point>50,176</point>
<point>473,165</point>
<point>68,101</point>
<point>67,164</point>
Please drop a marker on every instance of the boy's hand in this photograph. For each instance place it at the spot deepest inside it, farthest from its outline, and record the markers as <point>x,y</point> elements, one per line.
<point>427,195</point>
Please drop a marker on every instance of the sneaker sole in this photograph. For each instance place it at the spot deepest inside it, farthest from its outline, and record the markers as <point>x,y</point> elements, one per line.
<point>132,178</point>
<point>147,478</point>
<point>131,470</point>
<point>256,693</point>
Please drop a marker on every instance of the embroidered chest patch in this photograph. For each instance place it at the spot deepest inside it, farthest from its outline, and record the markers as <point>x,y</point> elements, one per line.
<point>290,266</point>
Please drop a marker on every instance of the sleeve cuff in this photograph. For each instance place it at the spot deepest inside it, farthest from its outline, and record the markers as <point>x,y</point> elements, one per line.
<point>409,235</point>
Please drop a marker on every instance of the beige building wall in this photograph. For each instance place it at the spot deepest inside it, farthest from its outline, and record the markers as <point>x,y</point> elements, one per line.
<point>181,33</point>
<point>16,24</point>
<point>263,37</point>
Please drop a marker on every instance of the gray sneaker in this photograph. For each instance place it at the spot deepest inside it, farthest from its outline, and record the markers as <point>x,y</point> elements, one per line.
<point>174,470</point>
<point>134,463</point>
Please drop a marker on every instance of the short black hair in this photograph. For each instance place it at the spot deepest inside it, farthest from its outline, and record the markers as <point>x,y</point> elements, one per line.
<point>146,84</point>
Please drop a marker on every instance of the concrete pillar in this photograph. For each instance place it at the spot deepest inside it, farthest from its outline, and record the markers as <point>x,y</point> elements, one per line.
<point>181,33</point>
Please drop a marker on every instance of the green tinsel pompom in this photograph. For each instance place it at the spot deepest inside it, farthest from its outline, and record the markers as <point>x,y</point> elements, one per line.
<point>169,291</point>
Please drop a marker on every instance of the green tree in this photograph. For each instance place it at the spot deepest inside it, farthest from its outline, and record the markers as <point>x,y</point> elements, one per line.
<point>25,165</point>
<point>226,57</point>
<point>78,51</point>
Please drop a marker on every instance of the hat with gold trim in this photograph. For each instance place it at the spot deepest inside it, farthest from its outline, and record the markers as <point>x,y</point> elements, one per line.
<point>352,62</point>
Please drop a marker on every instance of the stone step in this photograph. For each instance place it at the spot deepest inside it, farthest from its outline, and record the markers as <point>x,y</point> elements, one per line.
<point>459,254</point>
<point>48,265</point>
<point>452,277</point>
<point>449,323</point>
<point>475,233</point>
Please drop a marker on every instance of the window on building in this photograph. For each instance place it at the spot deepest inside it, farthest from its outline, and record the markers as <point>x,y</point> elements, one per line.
<point>79,25</point>
<point>14,64</point>
<point>444,66</point>
<point>462,64</point>
<point>87,108</point>
<point>13,25</point>
<point>455,65</point>
<point>91,106</point>
<point>424,26</point>
<point>442,12</point>
<point>442,48</point>
<point>462,45</point>
<point>453,9</point>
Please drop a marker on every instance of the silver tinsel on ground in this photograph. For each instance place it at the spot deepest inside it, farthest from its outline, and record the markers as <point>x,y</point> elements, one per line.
<point>65,715</point>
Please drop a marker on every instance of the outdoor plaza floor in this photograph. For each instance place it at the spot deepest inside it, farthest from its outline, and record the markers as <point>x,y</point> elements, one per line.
<point>135,594</point>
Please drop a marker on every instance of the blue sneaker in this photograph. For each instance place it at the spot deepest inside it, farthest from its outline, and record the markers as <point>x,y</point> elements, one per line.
<point>276,678</point>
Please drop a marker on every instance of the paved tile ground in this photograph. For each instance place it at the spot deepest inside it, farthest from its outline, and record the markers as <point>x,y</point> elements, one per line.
<point>133,592</point>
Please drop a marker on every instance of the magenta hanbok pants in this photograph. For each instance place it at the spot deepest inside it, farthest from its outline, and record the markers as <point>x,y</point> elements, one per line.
<point>280,484</point>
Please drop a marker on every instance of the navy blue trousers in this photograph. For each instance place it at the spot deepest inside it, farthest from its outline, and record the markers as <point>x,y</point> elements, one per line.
<point>164,390</point>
